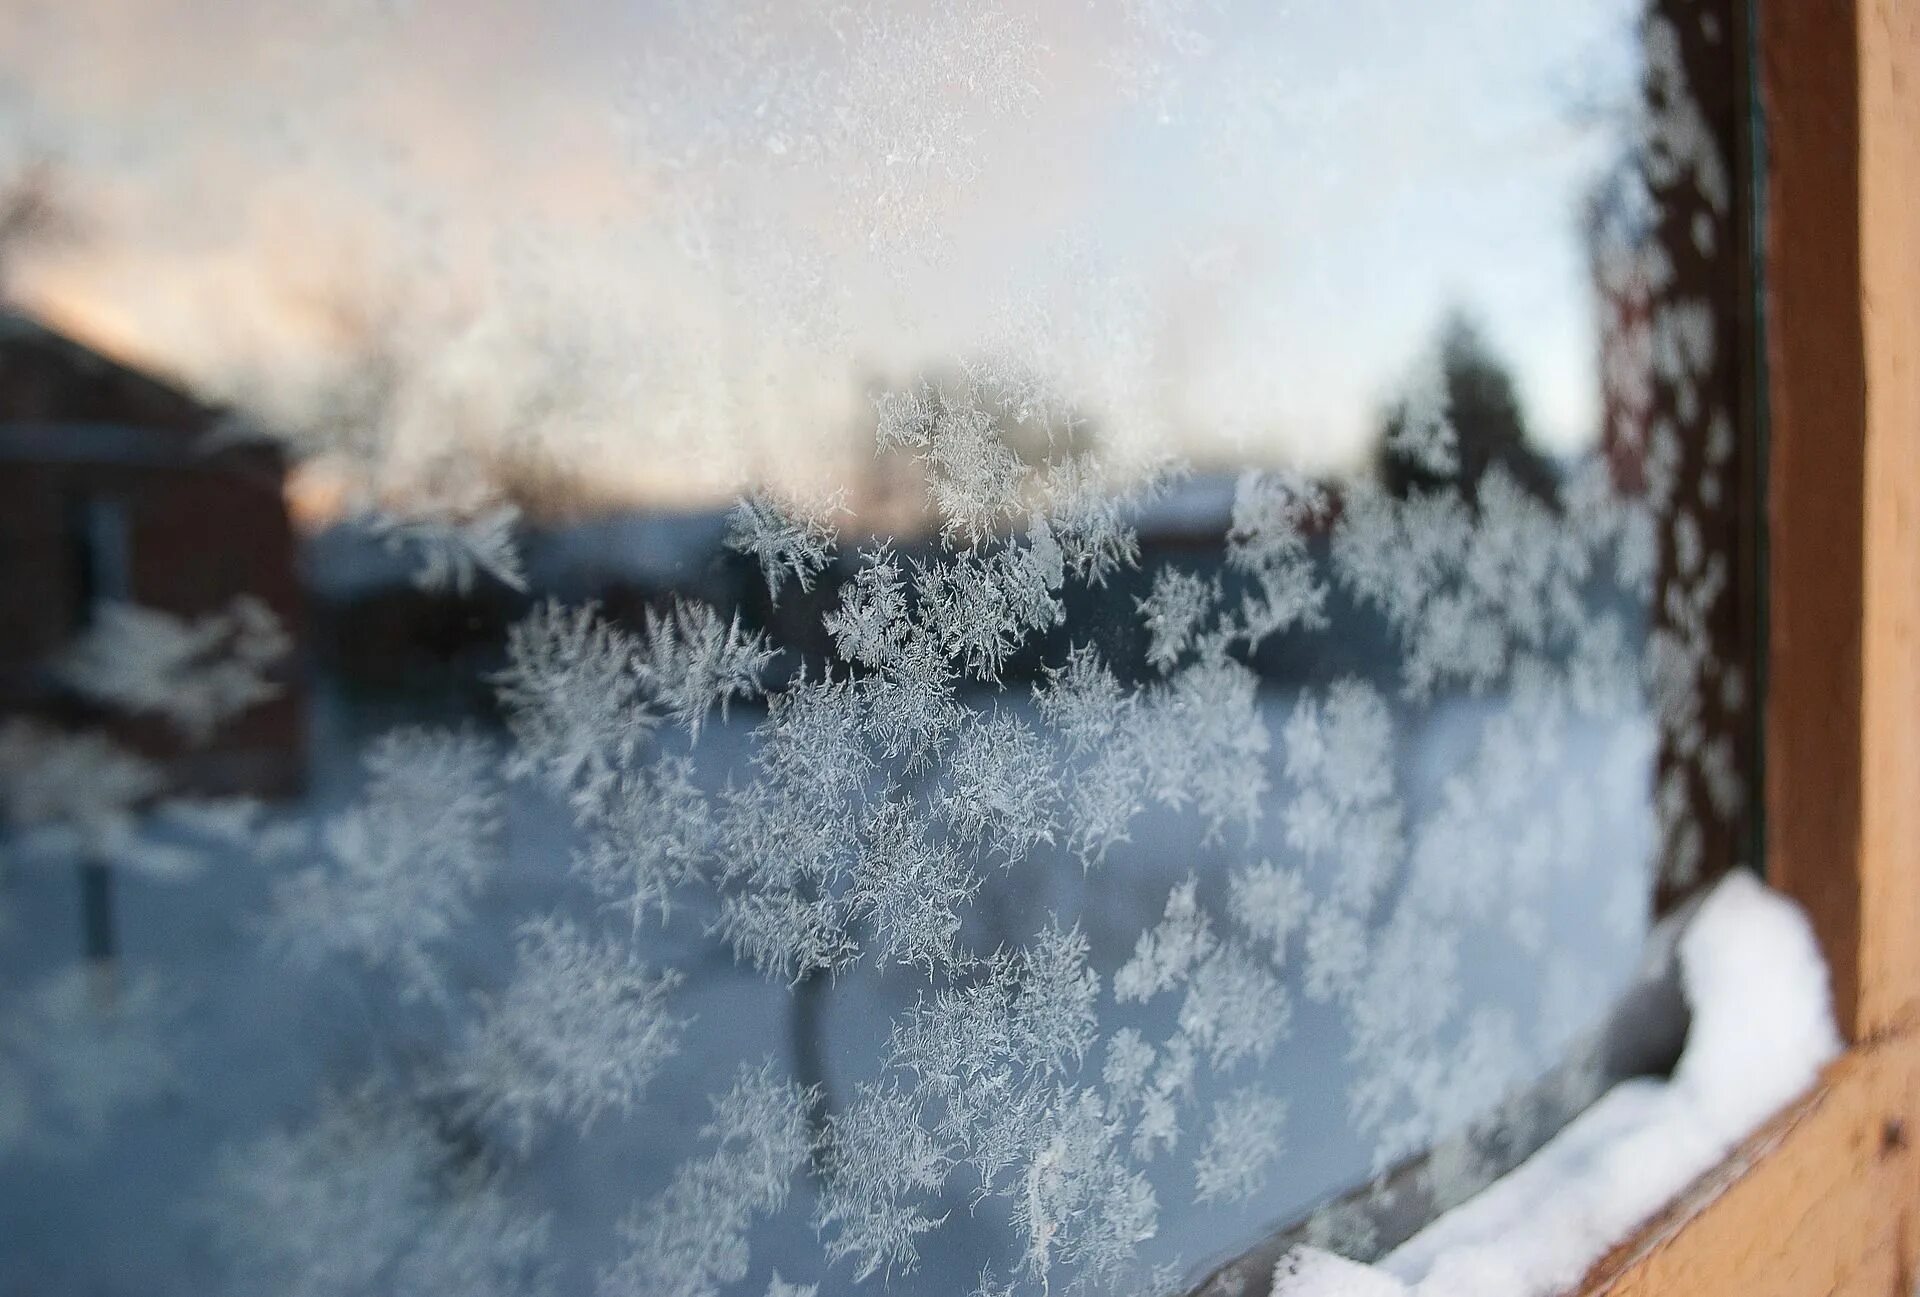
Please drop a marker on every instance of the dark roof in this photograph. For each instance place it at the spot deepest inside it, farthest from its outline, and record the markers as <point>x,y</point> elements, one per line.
<point>48,378</point>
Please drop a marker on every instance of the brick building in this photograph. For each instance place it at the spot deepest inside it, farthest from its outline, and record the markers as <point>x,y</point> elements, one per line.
<point>110,490</point>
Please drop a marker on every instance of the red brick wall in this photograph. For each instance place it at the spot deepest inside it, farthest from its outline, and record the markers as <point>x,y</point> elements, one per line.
<point>202,528</point>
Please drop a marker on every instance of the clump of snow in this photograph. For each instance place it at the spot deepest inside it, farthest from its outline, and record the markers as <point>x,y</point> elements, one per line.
<point>1310,1272</point>
<point>1762,1028</point>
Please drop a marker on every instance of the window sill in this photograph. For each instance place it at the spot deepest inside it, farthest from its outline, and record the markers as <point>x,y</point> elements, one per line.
<point>1825,1199</point>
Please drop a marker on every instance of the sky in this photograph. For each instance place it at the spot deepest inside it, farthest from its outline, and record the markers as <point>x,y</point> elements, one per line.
<point>680,243</point>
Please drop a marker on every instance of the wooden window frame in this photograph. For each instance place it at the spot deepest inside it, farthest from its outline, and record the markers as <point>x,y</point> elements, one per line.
<point>1826,1198</point>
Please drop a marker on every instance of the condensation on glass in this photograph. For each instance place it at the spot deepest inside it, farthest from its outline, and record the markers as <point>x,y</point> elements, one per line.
<point>750,647</point>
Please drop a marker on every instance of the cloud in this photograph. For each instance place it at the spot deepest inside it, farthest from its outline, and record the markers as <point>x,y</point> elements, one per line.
<point>1220,227</point>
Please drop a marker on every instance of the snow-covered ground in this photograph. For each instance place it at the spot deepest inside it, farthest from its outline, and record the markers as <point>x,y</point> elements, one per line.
<point>256,1040</point>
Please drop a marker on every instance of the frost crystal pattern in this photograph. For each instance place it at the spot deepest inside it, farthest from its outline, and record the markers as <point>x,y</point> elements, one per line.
<point>948,741</point>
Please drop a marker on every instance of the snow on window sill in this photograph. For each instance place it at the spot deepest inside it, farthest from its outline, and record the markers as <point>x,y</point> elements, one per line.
<point>1762,1029</point>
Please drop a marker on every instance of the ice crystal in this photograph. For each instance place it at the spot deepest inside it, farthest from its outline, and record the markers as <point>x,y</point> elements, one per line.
<point>1336,951</point>
<point>1271,904</point>
<point>366,1200</point>
<point>1053,1005</point>
<point>870,626</point>
<point>880,1158</point>
<point>72,792</point>
<point>1274,517</point>
<point>988,1056</point>
<point>1166,953</point>
<point>994,801</point>
<point>1466,586</point>
<point>1156,1127</point>
<point>1235,1008</point>
<point>785,932</point>
<point>582,1028</point>
<point>1245,1136</point>
<point>1345,747</point>
<point>904,417</point>
<point>691,1239</point>
<point>1174,613</point>
<point>974,479</point>
<point>399,868</point>
<point>454,550</point>
<point>196,674</point>
<point>70,1065</point>
<point>812,740</point>
<point>909,890</point>
<point>785,540</point>
<point>1421,430</point>
<point>1091,517</point>
<point>909,703</point>
<point>983,609</point>
<point>572,698</point>
<point>1340,757</point>
<point>1206,742</point>
<point>653,832</point>
<point>1129,1060</point>
<point>1102,796</point>
<point>1082,701</point>
<point>1080,1203</point>
<point>691,661</point>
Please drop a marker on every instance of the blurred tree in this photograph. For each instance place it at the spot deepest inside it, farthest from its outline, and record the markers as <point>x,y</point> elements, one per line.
<point>31,213</point>
<point>1457,418</point>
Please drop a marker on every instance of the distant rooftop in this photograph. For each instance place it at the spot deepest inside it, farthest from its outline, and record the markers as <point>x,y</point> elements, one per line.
<point>47,377</point>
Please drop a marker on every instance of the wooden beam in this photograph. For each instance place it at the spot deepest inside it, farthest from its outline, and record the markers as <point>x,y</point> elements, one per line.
<point>1824,1201</point>
<point>1889,958</point>
<point>1841,84</point>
